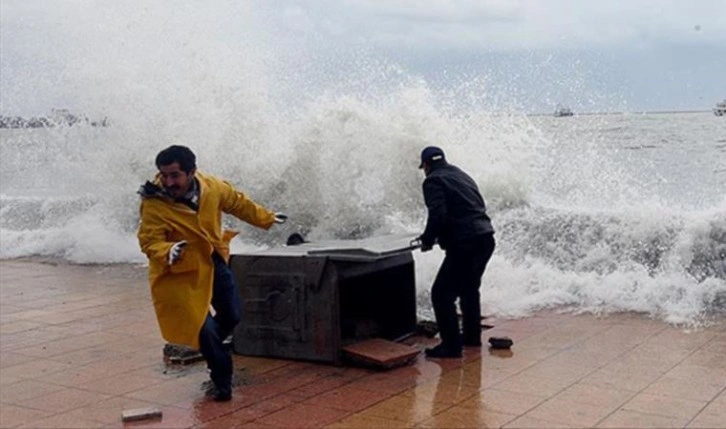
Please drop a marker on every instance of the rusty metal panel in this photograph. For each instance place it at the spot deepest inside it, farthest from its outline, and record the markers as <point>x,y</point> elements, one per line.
<point>309,300</point>
<point>288,308</point>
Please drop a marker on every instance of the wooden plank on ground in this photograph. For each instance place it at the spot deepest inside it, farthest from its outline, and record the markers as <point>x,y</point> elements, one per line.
<point>380,353</point>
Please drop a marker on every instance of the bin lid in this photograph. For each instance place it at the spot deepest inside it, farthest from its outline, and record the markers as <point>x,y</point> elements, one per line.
<point>367,249</point>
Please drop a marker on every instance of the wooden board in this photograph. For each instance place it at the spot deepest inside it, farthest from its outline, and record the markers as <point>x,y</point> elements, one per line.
<point>380,353</point>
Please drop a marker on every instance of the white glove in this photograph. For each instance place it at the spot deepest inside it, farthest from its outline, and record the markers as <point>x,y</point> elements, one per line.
<point>280,218</point>
<point>175,252</point>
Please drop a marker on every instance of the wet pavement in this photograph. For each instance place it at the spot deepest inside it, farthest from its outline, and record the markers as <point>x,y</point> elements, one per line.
<point>80,344</point>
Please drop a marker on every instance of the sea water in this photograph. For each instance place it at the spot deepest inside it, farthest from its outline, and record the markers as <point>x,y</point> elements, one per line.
<point>598,213</point>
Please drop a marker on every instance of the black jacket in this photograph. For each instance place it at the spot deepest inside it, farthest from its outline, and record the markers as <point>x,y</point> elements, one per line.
<point>457,212</point>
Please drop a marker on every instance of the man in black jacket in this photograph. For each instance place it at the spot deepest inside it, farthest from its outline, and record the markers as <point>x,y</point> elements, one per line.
<point>458,221</point>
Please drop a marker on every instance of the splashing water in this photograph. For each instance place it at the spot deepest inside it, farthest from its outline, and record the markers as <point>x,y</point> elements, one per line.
<point>600,213</point>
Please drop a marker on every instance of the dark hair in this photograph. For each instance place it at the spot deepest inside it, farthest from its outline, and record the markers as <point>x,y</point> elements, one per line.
<point>175,153</point>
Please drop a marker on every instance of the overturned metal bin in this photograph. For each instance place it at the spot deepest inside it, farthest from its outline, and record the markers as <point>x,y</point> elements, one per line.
<point>310,300</point>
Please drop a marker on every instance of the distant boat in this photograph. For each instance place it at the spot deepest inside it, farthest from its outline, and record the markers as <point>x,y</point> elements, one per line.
<point>562,111</point>
<point>720,109</point>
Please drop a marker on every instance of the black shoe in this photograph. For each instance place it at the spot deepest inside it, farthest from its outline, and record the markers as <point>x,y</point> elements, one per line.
<point>222,395</point>
<point>473,342</point>
<point>443,352</point>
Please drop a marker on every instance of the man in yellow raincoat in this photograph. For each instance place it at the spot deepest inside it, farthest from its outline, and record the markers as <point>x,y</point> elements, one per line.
<point>181,233</point>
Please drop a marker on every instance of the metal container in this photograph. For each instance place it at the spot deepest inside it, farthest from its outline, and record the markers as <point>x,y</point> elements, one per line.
<point>308,301</point>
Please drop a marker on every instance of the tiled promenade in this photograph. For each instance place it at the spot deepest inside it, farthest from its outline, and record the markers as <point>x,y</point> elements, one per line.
<point>79,344</point>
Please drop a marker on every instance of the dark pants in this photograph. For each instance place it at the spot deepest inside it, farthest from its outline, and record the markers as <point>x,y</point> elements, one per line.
<point>228,308</point>
<point>460,277</point>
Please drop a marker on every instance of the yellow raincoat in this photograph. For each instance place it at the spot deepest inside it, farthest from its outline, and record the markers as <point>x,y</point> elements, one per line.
<point>182,292</point>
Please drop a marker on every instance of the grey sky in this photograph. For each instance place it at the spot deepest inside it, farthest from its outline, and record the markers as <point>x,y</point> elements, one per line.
<point>592,55</point>
<point>513,24</point>
<point>595,55</point>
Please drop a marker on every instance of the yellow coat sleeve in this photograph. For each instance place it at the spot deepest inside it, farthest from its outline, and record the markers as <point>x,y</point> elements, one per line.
<point>239,205</point>
<point>152,234</point>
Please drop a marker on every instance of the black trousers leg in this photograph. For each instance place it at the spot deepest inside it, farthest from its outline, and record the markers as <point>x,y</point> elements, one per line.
<point>226,299</point>
<point>460,277</point>
<point>443,298</point>
<point>470,298</point>
<point>227,306</point>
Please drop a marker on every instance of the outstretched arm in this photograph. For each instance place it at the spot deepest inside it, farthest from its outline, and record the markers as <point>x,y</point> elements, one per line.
<point>237,204</point>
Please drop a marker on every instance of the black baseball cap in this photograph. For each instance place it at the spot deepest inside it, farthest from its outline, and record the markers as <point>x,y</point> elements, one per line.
<point>431,154</point>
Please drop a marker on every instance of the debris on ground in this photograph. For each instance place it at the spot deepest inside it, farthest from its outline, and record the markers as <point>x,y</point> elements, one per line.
<point>181,355</point>
<point>501,342</point>
<point>140,414</point>
<point>427,328</point>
